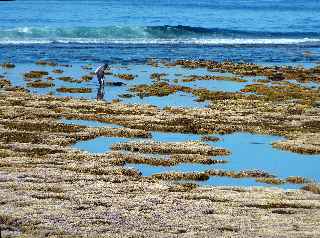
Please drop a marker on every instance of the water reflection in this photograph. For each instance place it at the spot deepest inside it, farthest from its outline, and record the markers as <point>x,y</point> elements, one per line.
<point>100,92</point>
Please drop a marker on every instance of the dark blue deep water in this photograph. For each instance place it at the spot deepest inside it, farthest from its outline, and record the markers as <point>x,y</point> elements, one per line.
<point>264,31</point>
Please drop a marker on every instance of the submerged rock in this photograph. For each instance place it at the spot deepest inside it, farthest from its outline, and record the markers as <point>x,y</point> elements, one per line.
<point>57,71</point>
<point>35,74</point>
<point>74,90</point>
<point>69,79</point>
<point>48,63</point>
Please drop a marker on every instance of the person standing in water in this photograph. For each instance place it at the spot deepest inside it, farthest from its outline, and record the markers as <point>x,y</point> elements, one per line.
<point>100,73</point>
<point>100,76</point>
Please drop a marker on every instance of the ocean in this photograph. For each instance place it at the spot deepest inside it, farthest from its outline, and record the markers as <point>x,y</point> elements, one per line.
<point>265,32</point>
<point>207,123</point>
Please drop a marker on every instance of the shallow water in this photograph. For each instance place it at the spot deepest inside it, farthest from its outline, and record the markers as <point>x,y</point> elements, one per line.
<point>248,152</point>
<point>174,76</point>
<point>142,74</point>
<point>217,85</point>
<point>99,145</point>
<point>178,99</point>
<point>174,137</point>
<point>127,33</point>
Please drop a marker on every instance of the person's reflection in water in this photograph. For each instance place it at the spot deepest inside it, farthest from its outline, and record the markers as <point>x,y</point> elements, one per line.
<point>100,93</point>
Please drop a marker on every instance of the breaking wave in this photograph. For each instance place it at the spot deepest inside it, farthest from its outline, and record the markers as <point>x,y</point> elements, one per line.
<point>151,35</point>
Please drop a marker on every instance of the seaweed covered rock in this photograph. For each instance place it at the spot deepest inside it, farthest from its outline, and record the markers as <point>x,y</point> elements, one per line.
<point>57,71</point>
<point>69,79</point>
<point>170,148</point>
<point>4,83</point>
<point>125,76</point>
<point>86,78</point>
<point>35,74</point>
<point>74,90</point>
<point>277,77</point>
<point>40,84</point>
<point>45,62</point>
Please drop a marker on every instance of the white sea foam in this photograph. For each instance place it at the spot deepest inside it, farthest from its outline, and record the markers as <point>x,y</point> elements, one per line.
<point>151,35</point>
<point>221,41</point>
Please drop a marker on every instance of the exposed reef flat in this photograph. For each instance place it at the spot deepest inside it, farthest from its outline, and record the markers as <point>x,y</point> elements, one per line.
<point>49,189</point>
<point>171,148</point>
<point>307,143</point>
<point>74,90</point>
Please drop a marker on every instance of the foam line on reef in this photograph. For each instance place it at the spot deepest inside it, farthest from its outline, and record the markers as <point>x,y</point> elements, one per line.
<point>164,41</point>
<point>151,35</point>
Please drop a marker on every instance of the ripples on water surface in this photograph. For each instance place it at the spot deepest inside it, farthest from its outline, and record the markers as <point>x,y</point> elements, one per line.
<point>131,30</point>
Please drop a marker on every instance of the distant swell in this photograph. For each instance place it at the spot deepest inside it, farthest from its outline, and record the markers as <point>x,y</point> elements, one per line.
<point>151,35</point>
